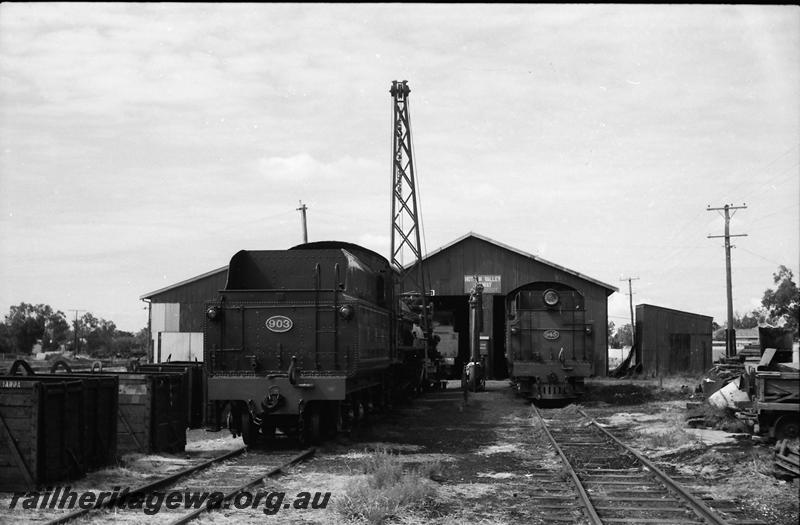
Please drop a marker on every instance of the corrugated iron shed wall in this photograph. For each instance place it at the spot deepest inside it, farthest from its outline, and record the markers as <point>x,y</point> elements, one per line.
<point>474,254</point>
<point>191,295</point>
<point>673,341</point>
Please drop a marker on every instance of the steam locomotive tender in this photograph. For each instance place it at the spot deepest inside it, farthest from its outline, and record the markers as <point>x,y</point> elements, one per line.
<point>548,341</point>
<point>301,340</point>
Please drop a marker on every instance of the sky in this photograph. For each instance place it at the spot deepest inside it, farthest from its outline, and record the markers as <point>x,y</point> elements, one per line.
<point>144,144</point>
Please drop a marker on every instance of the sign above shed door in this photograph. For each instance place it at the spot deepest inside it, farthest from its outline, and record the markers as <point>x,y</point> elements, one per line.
<point>491,283</point>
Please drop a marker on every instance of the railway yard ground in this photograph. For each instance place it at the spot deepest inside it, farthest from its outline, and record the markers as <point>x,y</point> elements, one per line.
<point>443,460</point>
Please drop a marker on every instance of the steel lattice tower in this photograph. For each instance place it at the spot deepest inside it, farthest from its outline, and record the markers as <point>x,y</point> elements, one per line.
<point>405,203</point>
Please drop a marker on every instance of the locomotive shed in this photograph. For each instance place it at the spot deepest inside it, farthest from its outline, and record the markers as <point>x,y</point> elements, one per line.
<point>177,311</point>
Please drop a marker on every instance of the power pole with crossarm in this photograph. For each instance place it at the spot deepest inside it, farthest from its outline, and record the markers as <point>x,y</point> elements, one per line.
<point>730,333</point>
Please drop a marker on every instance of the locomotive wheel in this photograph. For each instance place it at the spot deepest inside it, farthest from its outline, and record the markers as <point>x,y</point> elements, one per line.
<point>315,426</point>
<point>249,431</point>
<point>312,427</point>
<point>787,427</point>
<point>330,419</point>
<point>360,411</point>
<point>268,433</point>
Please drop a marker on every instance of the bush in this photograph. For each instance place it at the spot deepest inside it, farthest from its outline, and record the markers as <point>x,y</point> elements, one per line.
<point>386,488</point>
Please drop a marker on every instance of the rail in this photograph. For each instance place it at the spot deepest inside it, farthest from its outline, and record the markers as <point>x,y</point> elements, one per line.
<point>698,506</point>
<point>255,481</point>
<point>587,503</point>
<point>658,483</point>
<point>149,487</point>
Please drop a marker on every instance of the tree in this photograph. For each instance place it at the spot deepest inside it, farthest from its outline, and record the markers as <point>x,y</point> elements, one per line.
<point>625,334</point>
<point>56,331</point>
<point>784,301</point>
<point>99,334</point>
<point>746,321</point>
<point>5,340</point>
<point>26,324</point>
<point>610,334</point>
<point>622,337</point>
<point>126,344</point>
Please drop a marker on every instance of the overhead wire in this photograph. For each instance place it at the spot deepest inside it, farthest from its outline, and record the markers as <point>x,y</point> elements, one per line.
<point>674,255</point>
<point>760,256</point>
<point>775,212</point>
<point>748,185</point>
<point>417,190</point>
<point>675,234</point>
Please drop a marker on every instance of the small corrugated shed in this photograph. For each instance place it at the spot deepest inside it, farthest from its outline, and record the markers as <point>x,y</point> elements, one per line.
<point>673,341</point>
<point>177,313</point>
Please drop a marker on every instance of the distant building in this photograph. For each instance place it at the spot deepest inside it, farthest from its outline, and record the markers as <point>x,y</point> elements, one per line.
<point>747,343</point>
<point>747,338</point>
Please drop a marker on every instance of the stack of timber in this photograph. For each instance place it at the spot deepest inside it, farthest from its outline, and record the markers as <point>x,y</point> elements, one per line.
<point>787,459</point>
<point>722,373</point>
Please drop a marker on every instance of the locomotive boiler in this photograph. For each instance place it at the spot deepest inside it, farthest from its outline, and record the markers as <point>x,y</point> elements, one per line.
<point>302,340</point>
<point>548,341</point>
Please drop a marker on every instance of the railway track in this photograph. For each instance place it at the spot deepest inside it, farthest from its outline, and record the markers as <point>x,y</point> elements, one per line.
<point>614,483</point>
<point>224,478</point>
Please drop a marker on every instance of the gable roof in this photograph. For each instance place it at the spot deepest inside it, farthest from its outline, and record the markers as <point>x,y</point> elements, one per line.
<point>519,252</point>
<point>673,310</point>
<point>184,283</point>
<point>430,254</point>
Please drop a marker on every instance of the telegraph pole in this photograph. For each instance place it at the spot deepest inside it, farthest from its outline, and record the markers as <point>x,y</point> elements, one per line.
<point>630,293</point>
<point>633,325</point>
<point>730,333</point>
<point>75,330</point>
<point>302,209</point>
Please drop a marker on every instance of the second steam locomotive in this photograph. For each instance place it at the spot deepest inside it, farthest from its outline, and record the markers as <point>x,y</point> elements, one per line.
<point>548,341</point>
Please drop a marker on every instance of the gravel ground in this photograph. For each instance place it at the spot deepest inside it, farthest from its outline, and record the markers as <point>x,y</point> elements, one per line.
<point>482,458</point>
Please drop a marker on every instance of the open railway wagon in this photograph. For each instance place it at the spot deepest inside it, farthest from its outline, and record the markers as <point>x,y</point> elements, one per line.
<point>548,341</point>
<point>775,396</point>
<point>101,400</point>
<point>193,385</point>
<point>56,427</point>
<point>302,341</point>
<point>152,411</point>
<point>42,431</point>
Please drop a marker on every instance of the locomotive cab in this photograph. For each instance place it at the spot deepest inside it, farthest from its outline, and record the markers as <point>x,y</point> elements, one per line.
<point>548,341</point>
